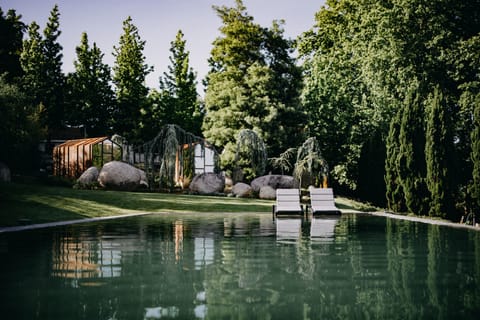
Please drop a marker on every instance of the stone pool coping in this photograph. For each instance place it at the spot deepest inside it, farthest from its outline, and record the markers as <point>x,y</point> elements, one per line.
<point>378,213</point>
<point>68,222</point>
<point>424,220</point>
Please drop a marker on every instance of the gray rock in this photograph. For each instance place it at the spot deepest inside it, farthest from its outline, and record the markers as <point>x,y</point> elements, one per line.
<point>89,177</point>
<point>5,175</point>
<point>208,183</point>
<point>267,193</point>
<point>275,181</point>
<point>242,190</point>
<point>121,176</point>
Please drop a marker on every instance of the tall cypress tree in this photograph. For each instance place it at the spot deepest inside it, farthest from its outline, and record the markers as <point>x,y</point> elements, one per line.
<point>394,190</point>
<point>412,166</point>
<point>438,149</point>
<point>475,155</point>
<point>130,71</point>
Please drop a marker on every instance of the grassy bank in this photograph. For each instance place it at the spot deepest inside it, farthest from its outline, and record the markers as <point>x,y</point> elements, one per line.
<point>27,203</point>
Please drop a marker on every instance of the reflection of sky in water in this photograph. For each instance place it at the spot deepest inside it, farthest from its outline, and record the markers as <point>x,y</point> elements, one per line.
<point>237,266</point>
<point>204,252</point>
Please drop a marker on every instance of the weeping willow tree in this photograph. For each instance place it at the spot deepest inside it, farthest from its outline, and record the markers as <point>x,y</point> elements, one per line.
<point>310,167</point>
<point>284,161</point>
<point>250,156</point>
<point>170,156</point>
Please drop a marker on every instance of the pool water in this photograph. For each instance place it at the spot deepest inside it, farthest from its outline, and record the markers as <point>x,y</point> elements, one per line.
<point>241,266</point>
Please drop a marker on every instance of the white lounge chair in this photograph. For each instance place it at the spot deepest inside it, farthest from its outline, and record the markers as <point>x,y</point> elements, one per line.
<point>288,202</point>
<point>322,201</point>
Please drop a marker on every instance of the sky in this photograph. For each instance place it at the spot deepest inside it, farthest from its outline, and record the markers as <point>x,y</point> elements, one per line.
<point>158,22</point>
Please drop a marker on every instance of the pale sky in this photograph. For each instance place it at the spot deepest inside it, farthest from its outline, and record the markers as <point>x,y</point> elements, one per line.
<point>158,22</point>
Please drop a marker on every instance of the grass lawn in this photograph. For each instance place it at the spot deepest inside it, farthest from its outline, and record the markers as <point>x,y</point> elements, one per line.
<point>26,203</point>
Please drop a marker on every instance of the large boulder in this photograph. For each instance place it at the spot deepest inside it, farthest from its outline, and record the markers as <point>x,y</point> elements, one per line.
<point>267,193</point>
<point>5,175</point>
<point>121,176</point>
<point>276,181</point>
<point>242,190</point>
<point>89,177</point>
<point>208,183</point>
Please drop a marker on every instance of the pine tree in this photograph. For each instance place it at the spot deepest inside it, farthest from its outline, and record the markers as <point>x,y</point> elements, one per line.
<point>178,93</point>
<point>54,80</point>
<point>130,71</point>
<point>11,37</point>
<point>90,96</point>
<point>43,80</point>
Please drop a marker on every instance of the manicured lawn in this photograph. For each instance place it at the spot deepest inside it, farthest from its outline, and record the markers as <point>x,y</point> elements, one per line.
<point>36,203</point>
<point>27,203</point>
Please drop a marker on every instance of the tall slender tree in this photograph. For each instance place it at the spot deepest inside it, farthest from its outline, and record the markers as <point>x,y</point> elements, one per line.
<point>438,150</point>
<point>130,71</point>
<point>411,158</point>
<point>178,100</point>
<point>11,37</point>
<point>90,95</point>
<point>44,82</point>
<point>54,79</point>
<point>475,155</point>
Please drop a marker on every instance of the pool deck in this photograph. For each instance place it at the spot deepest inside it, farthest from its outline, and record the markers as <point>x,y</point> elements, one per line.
<point>424,220</point>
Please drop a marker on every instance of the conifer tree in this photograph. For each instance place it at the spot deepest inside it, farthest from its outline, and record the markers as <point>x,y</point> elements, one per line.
<point>394,191</point>
<point>412,166</point>
<point>90,96</point>
<point>54,78</point>
<point>43,81</point>
<point>178,100</point>
<point>475,155</point>
<point>11,37</point>
<point>130,71</point>
<point>438,149</point>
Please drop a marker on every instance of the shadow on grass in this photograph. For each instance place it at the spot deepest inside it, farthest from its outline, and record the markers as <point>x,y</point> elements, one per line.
<point>22,203</point>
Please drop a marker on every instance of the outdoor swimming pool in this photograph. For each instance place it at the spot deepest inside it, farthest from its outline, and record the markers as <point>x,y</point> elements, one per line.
<point>241,266</point>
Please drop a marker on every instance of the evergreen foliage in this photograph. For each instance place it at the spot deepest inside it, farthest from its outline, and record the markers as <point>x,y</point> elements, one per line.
<point>90,98</point>
<point>250,156</point>
<point>475,156</point>
<point>253,84</point>
<point>43,80</point>
<point>394,190</point>
<point>11,38</point>
<point>310,167</point>
<point>411,158</point>
<point>130,71</point>
<point>438,149</point>
<point>177,102</point>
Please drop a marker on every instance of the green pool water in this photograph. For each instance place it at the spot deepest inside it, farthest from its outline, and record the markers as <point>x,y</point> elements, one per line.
<point>241,266</point>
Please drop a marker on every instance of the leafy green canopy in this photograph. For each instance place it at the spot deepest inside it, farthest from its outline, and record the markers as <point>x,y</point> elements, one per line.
<point>253,84</point>
<point>361,61</point>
